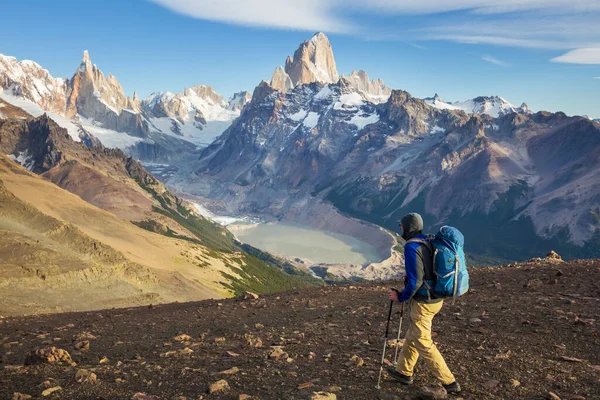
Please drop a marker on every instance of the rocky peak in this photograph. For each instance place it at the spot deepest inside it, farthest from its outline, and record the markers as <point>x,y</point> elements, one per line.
<point>29,80</point>
<point>205,92</point>
<point>91,93</point>
<point>313,61</point>
<point>262,91</point>
<point>524,108</point>
<point>239,100</point>
<point>375,91</point>
<point>281,80</point>
<point>86,63</point>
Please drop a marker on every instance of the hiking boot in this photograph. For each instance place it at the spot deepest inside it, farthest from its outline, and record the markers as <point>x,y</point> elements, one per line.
<point>453,387</point>
<point>403,379</point>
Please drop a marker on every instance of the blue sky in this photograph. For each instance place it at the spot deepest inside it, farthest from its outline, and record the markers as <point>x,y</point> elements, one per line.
<point>542,52</point>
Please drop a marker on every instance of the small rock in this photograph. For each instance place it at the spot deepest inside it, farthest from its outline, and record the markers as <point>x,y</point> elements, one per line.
<point>323,396</point>
<point>83,345</point>
<point>219,340</point>
<point>177,353</point>
<point>230,371</point>
<point>431,393</point>
<point>475,320</point>
<point>490,385</point>
<point>357,361</point>
<point>515,383</point>
<point>231,354</point>
<point>253,341</point>
<point>48,392</point>
<point>104,360</point>
<point>278,353</point>
<point>51,382</point>
<point>552,396</point>
<point>85,376</point>
<point>572,359</point>
<point>553,256</point>
<point>220,386</point>
<point>244,396</point>
<point>250,296</point>
<point>335,389</point>
<point>85,336</point>
<point>182,338</point>
<point>305,385</point>
<point>259,326</point>
<point>21,396</point>
<point>49,355</point>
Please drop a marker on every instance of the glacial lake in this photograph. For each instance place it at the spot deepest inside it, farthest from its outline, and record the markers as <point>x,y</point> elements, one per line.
<point>293,240</point>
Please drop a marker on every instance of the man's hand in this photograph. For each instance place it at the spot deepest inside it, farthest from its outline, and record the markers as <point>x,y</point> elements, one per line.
<point>394,295</point>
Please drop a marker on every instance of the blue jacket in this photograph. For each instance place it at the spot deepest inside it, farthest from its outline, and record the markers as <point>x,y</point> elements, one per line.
<point>418,262</point>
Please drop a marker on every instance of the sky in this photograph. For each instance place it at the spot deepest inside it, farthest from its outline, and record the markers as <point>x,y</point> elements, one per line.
<point>545,53</point>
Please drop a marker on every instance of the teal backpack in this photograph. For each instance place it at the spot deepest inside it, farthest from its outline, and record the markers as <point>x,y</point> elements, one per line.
<point>449,265</point>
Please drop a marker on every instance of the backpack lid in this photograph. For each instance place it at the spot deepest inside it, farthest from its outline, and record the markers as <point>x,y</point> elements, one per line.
<point>451,238</point>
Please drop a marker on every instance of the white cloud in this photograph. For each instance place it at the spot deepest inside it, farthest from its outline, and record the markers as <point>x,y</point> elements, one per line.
<point>309,15</point>
<point>495,61</point>
<point>478,6</point>
<point>596,77</point>
<point>580,56</point>
<point>539,24</point>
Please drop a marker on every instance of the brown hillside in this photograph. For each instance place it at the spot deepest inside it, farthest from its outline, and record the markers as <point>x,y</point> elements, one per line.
<point>521,332</point>
<point>60,253</point>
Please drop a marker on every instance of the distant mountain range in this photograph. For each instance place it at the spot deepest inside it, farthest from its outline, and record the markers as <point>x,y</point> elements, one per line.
<point>158,128</point>
<point>328,150</point>
<point>517,183</point>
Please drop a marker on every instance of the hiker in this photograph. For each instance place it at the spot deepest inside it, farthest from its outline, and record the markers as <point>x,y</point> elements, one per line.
<point>418,260</point>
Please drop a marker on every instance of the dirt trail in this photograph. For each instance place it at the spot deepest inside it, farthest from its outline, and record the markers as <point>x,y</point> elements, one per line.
<point>521,333</point>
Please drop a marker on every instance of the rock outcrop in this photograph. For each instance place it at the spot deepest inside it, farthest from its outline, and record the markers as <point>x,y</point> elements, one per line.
<point>375,91</point>
<point>281,80</point>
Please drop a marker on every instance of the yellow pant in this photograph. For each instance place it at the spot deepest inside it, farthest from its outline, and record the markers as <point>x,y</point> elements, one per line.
<point>418,342</point>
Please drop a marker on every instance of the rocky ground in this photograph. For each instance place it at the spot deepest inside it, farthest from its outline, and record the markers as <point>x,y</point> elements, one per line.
<point>526,331</point>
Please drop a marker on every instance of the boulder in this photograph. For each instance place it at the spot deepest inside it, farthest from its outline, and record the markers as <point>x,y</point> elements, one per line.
<point>49,355</point>
<point>220,386</point>
<point>48,392</point>
<point>85,376</point>
<point>553,257</point>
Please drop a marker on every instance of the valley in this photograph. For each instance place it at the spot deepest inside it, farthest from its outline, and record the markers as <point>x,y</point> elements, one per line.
<point>293,240</point>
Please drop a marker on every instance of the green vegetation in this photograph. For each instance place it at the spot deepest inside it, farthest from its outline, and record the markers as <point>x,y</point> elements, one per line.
<point>208,233</point>
<point>259,272</point>
<point>259,277</point>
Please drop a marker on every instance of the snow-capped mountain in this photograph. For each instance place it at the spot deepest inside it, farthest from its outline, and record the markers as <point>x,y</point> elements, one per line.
<point>198,115</point>
<point>505,176</point>
<point>494,106</point>
<point>28,80</point>
<point>239,100</point>
<point>375,91</point>
<point>92,105</point>
<point>313,61</point>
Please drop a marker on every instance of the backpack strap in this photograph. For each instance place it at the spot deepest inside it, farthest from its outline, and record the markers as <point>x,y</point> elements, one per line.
<point>424,242</point>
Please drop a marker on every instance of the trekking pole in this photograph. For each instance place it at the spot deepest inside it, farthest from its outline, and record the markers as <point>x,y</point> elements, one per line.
<point>398,337</point>
<point>387,328</point>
